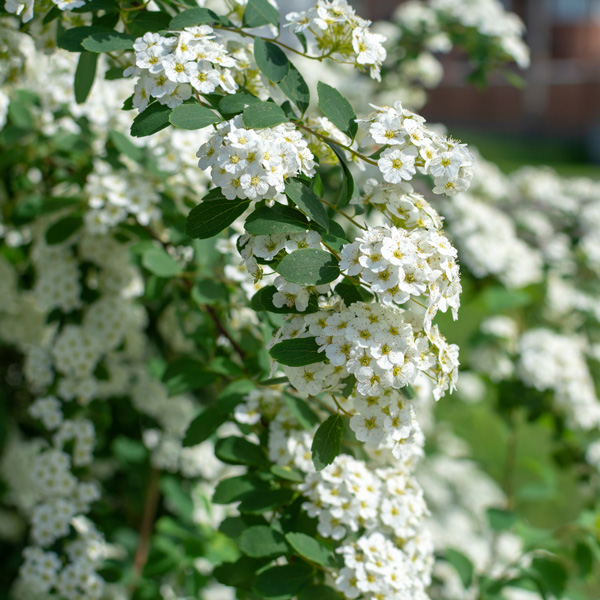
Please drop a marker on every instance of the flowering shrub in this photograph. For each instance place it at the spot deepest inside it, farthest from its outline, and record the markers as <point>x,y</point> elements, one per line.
<point>226,290</point>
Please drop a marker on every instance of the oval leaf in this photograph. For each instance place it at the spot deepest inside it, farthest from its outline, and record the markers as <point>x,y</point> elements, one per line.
<point>283,582</point>
<point>234,489</point>
<point>153,119</point>
<point>261,502</point>
<point>319,592</point>
<point>271,59</point>
<point>84,76</point>
<point>192,17</point>
<point>337,109</point>
<point>159,262</point>
<point>296,89</point>
<point>327,442</point>
<point>108,41</point>
<point>265,114</point>
<point>259,13</point>
<point>234,104</point>
<point>192,116</point>
<point>203,426</point>
<point>297,352</point>
<point>238,451</point>
<point>263,300</point>
<point>309,266</point>
<point>279,218</point>
<point>62,230</point>
<point>261,540</point>
<point>311,548</point>
<point>307,201</point>
<point>212,216</point>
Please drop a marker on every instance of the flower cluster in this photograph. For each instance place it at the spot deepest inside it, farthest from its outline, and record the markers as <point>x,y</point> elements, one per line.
<point>400,205</point>
<point>392,556</point>
<point>253,164</point>
<point>550,361</point>
<point>114,195</point>
<point>384,348</point>
<point>266,249</point>
<point>339,32</point>
<point>435,21</point>
<point>398,265</point>
<point>24,8</point>
<point>169,67</point>
<point>410,145</point>
<point>376,513</point>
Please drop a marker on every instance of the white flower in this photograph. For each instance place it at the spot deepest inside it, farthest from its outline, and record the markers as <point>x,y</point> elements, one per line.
<point>396,165</point>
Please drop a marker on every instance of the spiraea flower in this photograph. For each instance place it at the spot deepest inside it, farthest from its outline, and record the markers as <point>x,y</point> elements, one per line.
<point>254,164</point>
<point>342,34</point>
<point>410,146</point>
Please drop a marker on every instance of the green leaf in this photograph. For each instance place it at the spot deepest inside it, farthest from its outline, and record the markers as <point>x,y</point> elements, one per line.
<point>192,17</point>
<point>124,145</point>
<point>271,59</point>
<point>186,374</point>
<point>351,293</point>
<point>71,39</point>
<point>302,39</point>
<point>210,217</point>
<point>337,109</point>
<point>265,114</point>
<point>278,218</point>
<point>501,520</point>
<point>309,266</point>
<point>307,201</point>
<point>261,540</point>
<point>347,189</point>
<point>584,557</point>
<point>153,21</point>
<point>234,393</point>
<point>319,592</point>
<point>311,549</point>
<point>287,473</point>
<point>259,13</point>
<point>238,451</point>
<point>160,262</point>
<point>263,300</point>
<point>297,352</point>
<point>208,291</point>
<point>63,229</point>
<point>84,76</point>
<point>284,581</point>
<point>301,410</point>
<point>462,565</point>
<point>261,502</point>
<point>153,119</point>
<point>234,489</point>
<point>296,89</point>
<point>551,575</point>
<point>234,104</point>
<point>203,426</point>
<point>192,116</point>
<point>240,574</point>
<point>108,41</point>
<point>408,392</point>
<point>327,442</point>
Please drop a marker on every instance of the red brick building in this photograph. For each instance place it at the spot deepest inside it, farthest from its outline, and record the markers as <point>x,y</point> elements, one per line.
<point>562,95</point>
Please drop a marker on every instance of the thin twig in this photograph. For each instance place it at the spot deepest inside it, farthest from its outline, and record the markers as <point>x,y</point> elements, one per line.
<point>221,328</point>
<point>146,526</point>
<point>347,216</point>
<point>328,139</point>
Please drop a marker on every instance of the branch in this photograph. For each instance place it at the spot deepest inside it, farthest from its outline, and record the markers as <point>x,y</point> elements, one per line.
<point>146,527</point>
